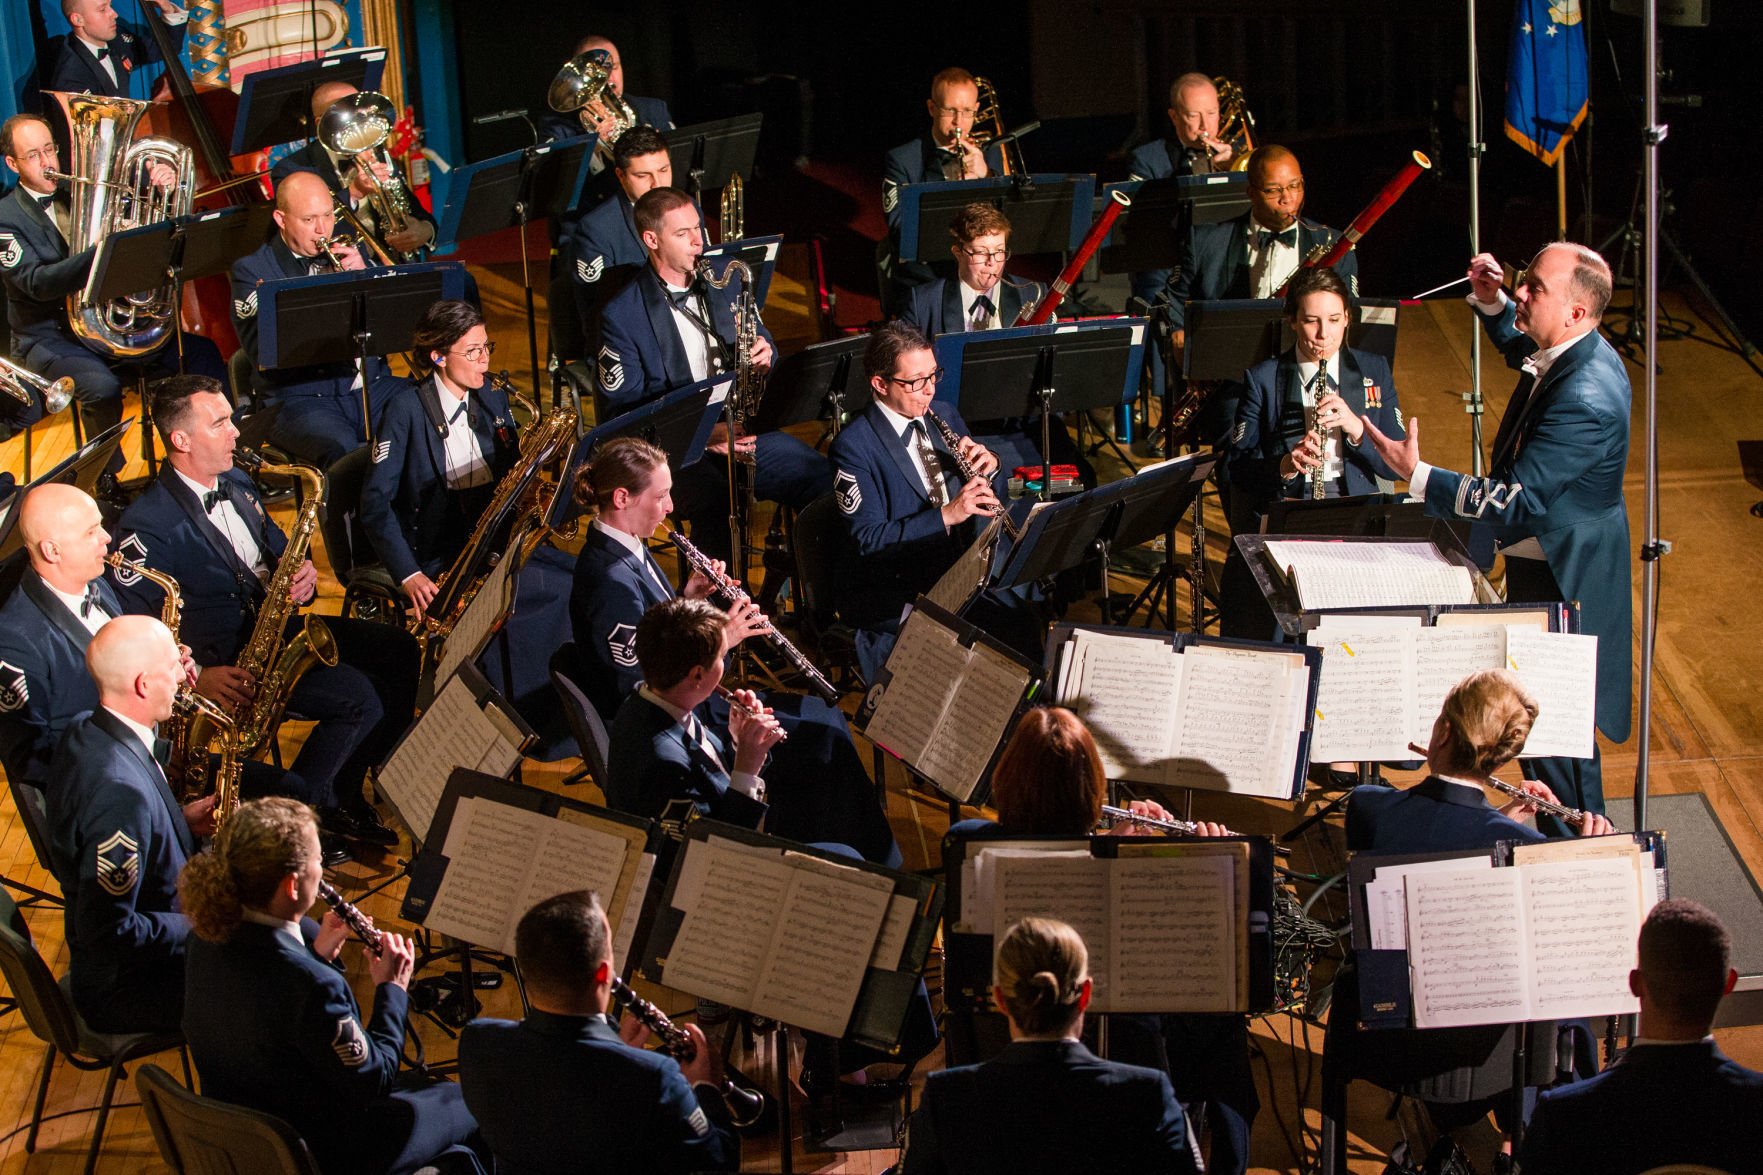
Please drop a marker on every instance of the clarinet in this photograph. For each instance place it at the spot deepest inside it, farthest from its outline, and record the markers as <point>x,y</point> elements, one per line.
<point>728,695</point>
<point>358,922</point>
<point>968,473</point>
<point>734,593</point>
<point>745,1106</point>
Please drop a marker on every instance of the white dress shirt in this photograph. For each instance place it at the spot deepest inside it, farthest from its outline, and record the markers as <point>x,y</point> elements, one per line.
<point>466,465</point>
<point>969,296</point>
<point>691,335</point>
<point>226,517</point>
<point>98,617</point>
<point>1332,468</point>
<point>900,424</point>
<point>280,925</point>
<point>1270,267</point>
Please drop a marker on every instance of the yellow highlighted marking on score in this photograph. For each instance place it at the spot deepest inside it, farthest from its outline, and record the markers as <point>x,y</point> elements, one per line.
<point>1319,717</point>
<point>1513,662</point>
<point>1348,649</point>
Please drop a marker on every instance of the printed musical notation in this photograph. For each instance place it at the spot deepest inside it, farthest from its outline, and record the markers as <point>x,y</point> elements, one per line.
<point>1328,575</point>
<point>453,732</point>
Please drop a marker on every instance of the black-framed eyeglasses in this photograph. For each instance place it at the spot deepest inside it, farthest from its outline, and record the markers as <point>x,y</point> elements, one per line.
<point>1273,191</point>
<point>476,352</point>
<point>987,255</point>
<point>918,383</point>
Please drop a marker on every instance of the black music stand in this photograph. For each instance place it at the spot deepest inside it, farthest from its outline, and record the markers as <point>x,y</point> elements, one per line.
<point>1048,213</point>
<point>760,254</point>
<point>823,381</point>
<point>707,153</point>
<point>81,468</point>
<point>679,424</point>
<point>275,105</point>
<point>1072,367</point>
<point>349,316</point>
<point>1148,235</point>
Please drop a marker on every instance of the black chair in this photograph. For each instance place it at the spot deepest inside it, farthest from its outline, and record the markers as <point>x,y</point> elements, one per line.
<point>34,815</point>
<point>584,721</point>
<point>201,1136</point>
<point>49,1012</point>
<point>819,538</point>
<point>354,562</point>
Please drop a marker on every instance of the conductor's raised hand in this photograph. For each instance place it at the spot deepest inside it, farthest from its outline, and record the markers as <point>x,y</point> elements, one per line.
<point>976,499</point>
<point>1401,456</point>
<point>1485,278</point>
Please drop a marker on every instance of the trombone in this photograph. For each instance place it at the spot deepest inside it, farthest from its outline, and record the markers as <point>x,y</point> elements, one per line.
<point>19,382</point>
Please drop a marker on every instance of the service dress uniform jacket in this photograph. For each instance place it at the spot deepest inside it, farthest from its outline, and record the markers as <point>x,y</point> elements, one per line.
<point>118,840</point>
<point>641,357</point>
<point>602,255</point>
<point>935,307</point>
<point>653,762</point>
<point>560,1095</point>
<point>1156,160</point>
<point>38,270</point>
<point>1215,262</point>
<point>78,71</point>
<point>1436,815</point>
<point>44,685</point>
<point>612,590</point>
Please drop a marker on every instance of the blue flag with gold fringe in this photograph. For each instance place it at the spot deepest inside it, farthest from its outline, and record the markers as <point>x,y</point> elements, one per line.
<point>1545,76</point>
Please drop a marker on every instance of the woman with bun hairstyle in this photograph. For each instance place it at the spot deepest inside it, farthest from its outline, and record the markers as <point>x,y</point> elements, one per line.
<point>1046,1103</point>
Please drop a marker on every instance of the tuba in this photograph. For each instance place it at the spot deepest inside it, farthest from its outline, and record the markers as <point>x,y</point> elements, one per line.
<point>358,125</point>
<point>1235,123</point>
<point>111,193</point>
<point>584,80</point>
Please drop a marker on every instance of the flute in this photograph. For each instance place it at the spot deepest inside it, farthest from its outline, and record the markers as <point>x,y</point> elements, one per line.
<point>745,1106</point>
<point>1179,827</point>
<point>357,921</point>
<point>968,472</point>
<point>728,695</point>
<point>1557,810</point>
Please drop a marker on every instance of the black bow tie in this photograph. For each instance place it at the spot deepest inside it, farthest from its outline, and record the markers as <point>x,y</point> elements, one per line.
<point>213,498</point>
<point>90,602</point>
<point>102,54</point>
<point>1267,237</point>
<point>46,201</point>
<point>682,299</point>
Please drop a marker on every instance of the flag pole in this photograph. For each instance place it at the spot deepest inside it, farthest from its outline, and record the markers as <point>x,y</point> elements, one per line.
<point>1472,399</point>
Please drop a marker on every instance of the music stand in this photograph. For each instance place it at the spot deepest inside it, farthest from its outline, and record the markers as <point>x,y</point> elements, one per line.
<point>81,469</point>
<point>1751,461</point>
<point>275,105</point>
<point>1148,235</point>
<point>1048,213</point>
<point>822,381</point>
<point>679,424</point>
<point>760,254</point>
<point>707,153</point>
<point>1068,367</point>
<point>1282,597</point>
<point>349,316</point>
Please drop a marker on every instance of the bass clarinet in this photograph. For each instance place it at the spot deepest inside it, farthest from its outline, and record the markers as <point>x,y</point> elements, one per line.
<point>968,472</point>
<point>358,922</point>
<point>745,1106</point>
<point>725,586</point>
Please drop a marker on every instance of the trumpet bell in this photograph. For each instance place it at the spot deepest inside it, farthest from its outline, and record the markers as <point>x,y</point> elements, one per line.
<point>356,123</point>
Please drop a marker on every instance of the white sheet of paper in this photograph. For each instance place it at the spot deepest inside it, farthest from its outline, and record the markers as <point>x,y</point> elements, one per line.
<point>1561,670</point>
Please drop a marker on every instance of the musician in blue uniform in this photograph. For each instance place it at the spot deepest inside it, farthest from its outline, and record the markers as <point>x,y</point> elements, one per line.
<point>202,523</point>
<point>669,328</point>
<point>440,448</point>
<point>1290,431</point>
<point>40,274</point>
<point>1553,491</point>
<point>1192,148</point>
<point>564,1090</point>
<point>944,152</point>
<point>101,54</point>
<point>1046,1103</point>
<point>270,1018</point>
<point>604,252</point>
<point>649,111</point>
<point>118,837</point>
<point>1674,1101</point>
<point>908,513</point>
<point>321,412</point>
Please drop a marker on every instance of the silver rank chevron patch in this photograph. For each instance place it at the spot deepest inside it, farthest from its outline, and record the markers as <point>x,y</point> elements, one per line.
<point>611,369</point>
<point>350,1043</point>
<point>15,691</point>
<point>245,307</point>
<point>134,551</point>
<point>621,642</point>
<point>119,864</point>
<point>590,271</point>
<point>890,195</point>
<point>381,451</point>
<point>848,493</point>
<point>11,252</point>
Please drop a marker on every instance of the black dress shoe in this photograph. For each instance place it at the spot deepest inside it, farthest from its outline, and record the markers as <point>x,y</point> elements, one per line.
<point>332,851</point>
<point>369,828</point>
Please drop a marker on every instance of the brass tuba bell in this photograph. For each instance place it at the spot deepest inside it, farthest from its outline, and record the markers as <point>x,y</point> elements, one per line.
<point>586,80</point>
<point>358,125</point>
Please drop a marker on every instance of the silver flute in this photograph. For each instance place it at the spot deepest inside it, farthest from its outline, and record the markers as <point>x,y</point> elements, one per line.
<point>1560,811</point>
<point>952,439</point>
<point>1128,816</point>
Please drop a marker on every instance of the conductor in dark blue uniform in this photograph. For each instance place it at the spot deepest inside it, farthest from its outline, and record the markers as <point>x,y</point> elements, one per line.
<point>321,413</point>
<point>1191,148</point>
<point>669,328</point>
<point>564,1090</point>
<point>101,54</point>
<point>118,837</point>
<point>40,273</point>
<point>604,252</point>
<point>1553,491</point>
<point>1046,1103</point>
<point>1674,1101</point>
<point>292,1041</point>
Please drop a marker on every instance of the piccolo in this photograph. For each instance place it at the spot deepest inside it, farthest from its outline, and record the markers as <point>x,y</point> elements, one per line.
<point>726,587</point>
<point>745,1106</point>
<point>1557,810</point>
<point>728,695</point>
<point>356,920</point>
<point>968,472</point>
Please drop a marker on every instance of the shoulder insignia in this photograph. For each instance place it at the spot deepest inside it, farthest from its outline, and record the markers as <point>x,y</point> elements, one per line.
<point>381,450</point>
<point>1353,284</point>
<point>1241,431</point>
<point>847,491</point>
<point>119,864</point>
<point>11,252</point>
<point>245,307</point>
<point>350,1043</point>
<point>621,642</point>
<point>698,1122</point>
<point>134,551</point>
<point>590,271</point>
<point>15,691</point>
<point>890,195</point>
<point>611,369</point>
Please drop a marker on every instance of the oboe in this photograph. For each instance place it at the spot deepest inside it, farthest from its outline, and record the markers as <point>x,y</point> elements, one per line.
<point>1559,811</point>
<point>968,472</point>
<point>745,1106</point>
<point>357,921</point>
<point>725,586</point>
<point>728,695</point>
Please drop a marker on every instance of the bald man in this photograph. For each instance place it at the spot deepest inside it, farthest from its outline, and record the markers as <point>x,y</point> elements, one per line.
<point>321,414</point>
<point>118,837</point>
<point>1191,148</point>
<point>101,55</point>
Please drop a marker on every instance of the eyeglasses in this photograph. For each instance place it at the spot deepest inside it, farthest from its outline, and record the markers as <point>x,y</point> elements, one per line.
<point>959,111</point>
<point>987,254</point>
<point>40,155</point>
<point>1274,191</point>
<point>918,383</point>
<point>476,352</point>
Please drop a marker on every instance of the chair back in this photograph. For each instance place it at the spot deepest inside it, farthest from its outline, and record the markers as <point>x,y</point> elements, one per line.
<point>41,1000</point>
<point>584,721</point>
<point>345,542</point>
<point>202,1136</point>
<point>819,539</point>
<point>33,813</point>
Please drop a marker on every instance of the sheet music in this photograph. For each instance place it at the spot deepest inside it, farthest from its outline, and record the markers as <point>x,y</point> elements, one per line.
<point>1386,897</point>
<point>453,732</point>
<point>1233,721</point>
<point>624,929</point>
<point>494,599</point>
<point>719,951</point>
<point>896,929</point>
<point>929,657</point>
<point>979,871</point>
<point>1174,933</point>
<point>1368,575</point>
<point>968,574</point>
<point>1123,688</point>
<point>1073,889</point>
<point>826,933</point>
<point>1362,712</point>
<point>1444,656</point>
<point>974,722</point>
<point>616,900</point>
<point>1584,925</point>
<point>1466,947</point>
<point>1561,670</point>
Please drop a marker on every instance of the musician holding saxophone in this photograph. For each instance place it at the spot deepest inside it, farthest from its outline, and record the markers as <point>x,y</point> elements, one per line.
<point>565,1090</point>
<point>202,523</point>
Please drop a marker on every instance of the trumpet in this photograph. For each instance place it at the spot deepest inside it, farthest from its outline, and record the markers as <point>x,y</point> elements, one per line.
<point>968,473</point>
<point>19,382</point>
<point>728,695</point>
<point>359,923</point>
<point>745,1106</point>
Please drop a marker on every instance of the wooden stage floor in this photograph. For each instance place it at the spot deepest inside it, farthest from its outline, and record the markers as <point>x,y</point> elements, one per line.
<point>1707,729</point>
